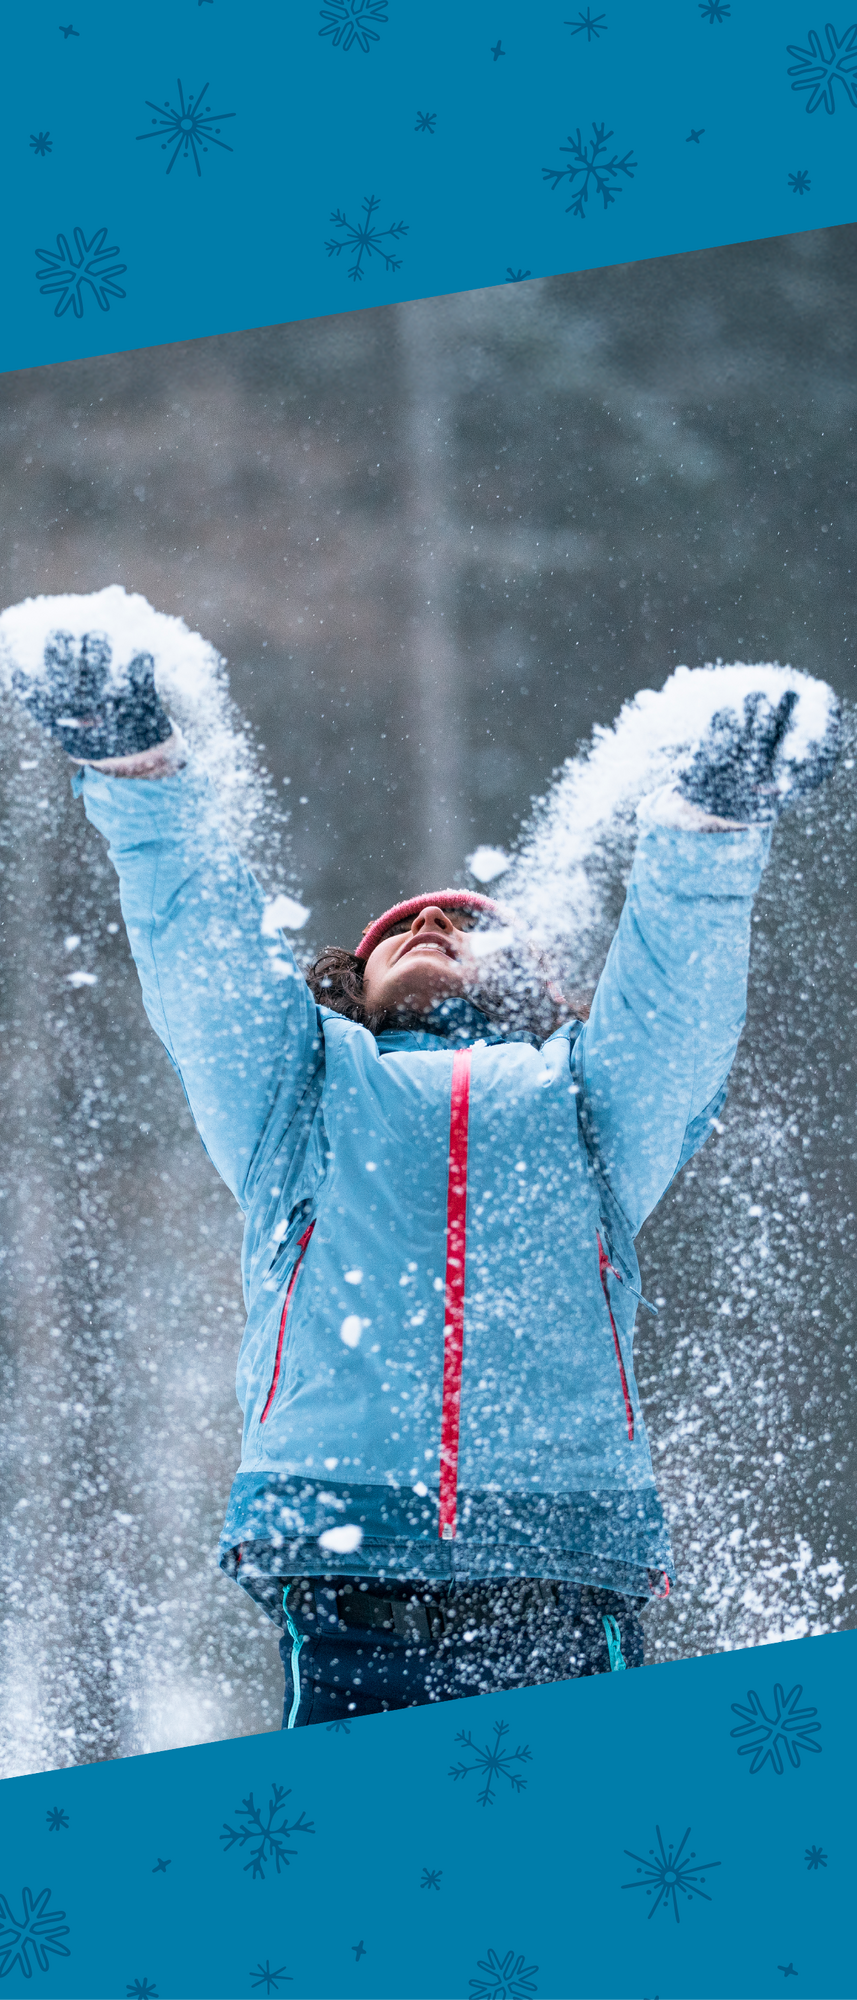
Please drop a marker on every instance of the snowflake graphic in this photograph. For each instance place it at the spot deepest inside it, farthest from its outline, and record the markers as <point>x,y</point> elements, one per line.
<point>669,1874</point>
<point>270,1839</point>
<point>516,277</point>
<point>350,21</point>
<point>494,1760</point>
<point>37,1930</point>
<point>41,142</point>
<point>505,1978</point>
<point>426,121</point>
<point>800,182</point>
<point>591,24</point>
<point>269,1979</point>
<point>363,236</point>
<point>594,170</point>
<point>431,1878</point>
<point>67,274</point>
<point>819,73</point>
<point>714,10</point>
<point>815,1857</point>
<point>789,1728</point>
<point>140,1989</point>
<point>344,1726</point>
<point>56,1819</point>
<point>190,124</point>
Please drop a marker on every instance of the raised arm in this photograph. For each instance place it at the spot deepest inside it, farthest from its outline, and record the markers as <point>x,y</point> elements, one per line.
<point>230,1006</point>
<point>653,1059</point>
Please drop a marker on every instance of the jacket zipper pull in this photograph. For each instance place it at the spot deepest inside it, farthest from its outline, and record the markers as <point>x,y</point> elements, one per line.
<point>632,1289</point>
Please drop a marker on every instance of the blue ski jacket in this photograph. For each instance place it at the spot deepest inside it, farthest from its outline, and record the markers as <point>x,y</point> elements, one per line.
<point>437,1372</point>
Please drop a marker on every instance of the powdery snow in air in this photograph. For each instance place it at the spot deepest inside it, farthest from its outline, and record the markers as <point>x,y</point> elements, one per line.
<point>595,793</point>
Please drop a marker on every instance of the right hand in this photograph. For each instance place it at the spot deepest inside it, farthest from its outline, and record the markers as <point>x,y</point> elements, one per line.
<point>92,709</point>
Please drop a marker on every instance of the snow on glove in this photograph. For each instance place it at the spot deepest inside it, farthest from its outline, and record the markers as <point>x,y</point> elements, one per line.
<point>91,708</point>
<point>742,769</point>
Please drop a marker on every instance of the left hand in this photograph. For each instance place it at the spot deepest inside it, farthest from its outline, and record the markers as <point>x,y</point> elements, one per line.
<point>742,771</point>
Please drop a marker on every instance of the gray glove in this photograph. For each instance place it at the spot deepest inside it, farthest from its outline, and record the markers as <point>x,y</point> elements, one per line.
<point>91,713</point>
<point>742,769</point>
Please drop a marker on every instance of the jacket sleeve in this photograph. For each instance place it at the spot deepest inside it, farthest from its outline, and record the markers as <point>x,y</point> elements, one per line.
<point>652,1062</point>
<point>231,1007</point>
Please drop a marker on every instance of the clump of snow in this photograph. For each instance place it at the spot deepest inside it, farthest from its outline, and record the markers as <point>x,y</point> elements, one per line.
<point>191,679</point>
<point>553,878</point>
<point>486,863</point>
<point>283,913</point>
<point>341,1541</point>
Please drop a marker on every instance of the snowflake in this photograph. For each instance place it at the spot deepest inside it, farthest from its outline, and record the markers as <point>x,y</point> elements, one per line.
<point>818,72</point>
<point>800,182</point>
<point>41,142</point>
<point>37,1930</point>
<point>589,163</point>
<point>56,1819</point>
<point>345,1726</point>
<point>714,10</point>
<point>789,1728</point>
<point>267,1978</point>
<point>431,1878</point>
<point>190,124</point>
<point>270,1839</point>
<point>815,1857</point>
<point>140,1989</point>
<point>516,277</point>
<point>362,236</point>
<point>671,1876</point>
<point>590,22</point>
<point>67,274</point>
<point>426,121</point>
<point>350,21</point>
<point>493,1761</point>
<point>503,1978</point>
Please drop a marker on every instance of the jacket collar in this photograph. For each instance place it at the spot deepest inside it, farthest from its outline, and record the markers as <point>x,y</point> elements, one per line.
<point>454,1024</point>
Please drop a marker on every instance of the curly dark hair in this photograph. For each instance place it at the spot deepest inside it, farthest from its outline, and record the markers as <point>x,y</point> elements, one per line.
<point>534,1003</point>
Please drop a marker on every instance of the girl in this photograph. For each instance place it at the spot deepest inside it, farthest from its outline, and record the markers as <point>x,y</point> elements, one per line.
<point>446,1485</point>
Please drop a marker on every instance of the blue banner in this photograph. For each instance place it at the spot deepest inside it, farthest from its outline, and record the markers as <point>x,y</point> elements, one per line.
<point>684,1832</point>
<point>203,171</point>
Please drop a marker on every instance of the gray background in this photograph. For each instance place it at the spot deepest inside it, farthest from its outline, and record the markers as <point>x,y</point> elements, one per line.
<point>437,542</point>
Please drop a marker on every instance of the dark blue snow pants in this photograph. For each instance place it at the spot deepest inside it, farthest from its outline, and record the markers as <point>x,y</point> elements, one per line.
<point>357,1647</point>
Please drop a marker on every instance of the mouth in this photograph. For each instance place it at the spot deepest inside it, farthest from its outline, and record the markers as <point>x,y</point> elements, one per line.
<point>430,944</point>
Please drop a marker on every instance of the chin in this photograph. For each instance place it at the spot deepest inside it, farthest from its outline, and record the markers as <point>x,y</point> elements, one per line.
<point>428,996</point>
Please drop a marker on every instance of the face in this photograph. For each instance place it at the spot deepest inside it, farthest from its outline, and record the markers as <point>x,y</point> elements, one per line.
<point>421,961</point>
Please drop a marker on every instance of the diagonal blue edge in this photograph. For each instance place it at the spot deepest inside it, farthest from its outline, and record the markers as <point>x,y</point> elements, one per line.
<point>408,1885</point>
<point>303,129</point>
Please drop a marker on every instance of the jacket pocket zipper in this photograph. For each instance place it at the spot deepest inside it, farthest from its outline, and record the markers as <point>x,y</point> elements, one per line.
<point>302,1250</point>
<point>604,1265</point>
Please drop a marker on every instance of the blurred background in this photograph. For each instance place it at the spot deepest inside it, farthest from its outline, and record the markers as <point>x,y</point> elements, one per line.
<point>436,542</point>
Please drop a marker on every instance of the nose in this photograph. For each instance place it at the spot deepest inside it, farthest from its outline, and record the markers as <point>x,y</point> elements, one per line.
<point>432,917</point>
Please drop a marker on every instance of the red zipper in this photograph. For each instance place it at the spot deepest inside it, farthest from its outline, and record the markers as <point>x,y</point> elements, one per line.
<point>302,1248</point>
<point>453,1314</point>
<point>604,1265</point>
